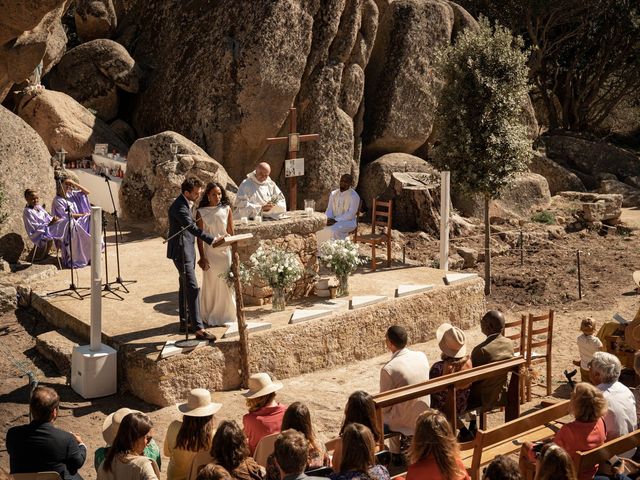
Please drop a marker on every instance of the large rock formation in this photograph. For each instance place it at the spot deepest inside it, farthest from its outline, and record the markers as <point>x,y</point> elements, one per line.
<point>528,192</point>
<point>630,195</point>
<point>376,178</point>
<point>591,156</point>
<point>64,123</point>
<point>154,176</point>
<point>95,19</point>
<point>226,75</point>
<point>24,163</point>
<point>560,179</point>
<point>30,32</point>
<point>93,72</point>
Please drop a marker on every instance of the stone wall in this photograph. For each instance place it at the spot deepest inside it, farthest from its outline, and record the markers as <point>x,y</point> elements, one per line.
<point>295,234</point>
<point>305,347</point>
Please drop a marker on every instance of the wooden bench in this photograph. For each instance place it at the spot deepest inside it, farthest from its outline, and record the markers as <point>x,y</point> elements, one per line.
<point>607,450</point>
<point>499,440</point>
<point>451,383</point>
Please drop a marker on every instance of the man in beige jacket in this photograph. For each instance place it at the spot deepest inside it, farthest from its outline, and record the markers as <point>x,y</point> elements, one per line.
<point>406,367</point>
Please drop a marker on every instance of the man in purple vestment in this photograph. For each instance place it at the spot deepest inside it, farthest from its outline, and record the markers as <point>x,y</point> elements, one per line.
<point>72,206</point>
<point>41,227</point>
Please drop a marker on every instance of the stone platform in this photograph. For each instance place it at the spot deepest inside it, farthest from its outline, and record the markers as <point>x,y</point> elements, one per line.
<point>139,325</point>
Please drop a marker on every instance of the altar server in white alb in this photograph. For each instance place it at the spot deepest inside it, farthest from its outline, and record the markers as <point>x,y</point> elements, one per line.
<point>259,195</point>
<point>342,212</point>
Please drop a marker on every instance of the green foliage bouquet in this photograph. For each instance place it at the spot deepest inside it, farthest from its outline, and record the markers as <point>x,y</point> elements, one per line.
<point>277,267</point>
<point>341,256</point>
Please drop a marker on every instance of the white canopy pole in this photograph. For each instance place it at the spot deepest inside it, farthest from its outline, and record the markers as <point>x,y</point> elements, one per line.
<point>445,202</point>
<point>96,279</point>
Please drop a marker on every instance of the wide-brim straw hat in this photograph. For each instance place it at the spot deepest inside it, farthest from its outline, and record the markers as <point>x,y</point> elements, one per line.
<point>198,404</point>
<point>112,424</point>
<point>260,384</point>
<point>451,340</point>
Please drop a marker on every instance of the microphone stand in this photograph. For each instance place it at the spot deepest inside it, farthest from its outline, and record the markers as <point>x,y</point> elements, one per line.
<point>72,286</point>
<point>118,232</point>
<point>107,285</point>
<point>186,343</point>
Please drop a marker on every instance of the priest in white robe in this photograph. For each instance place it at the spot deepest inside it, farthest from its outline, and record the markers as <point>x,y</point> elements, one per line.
<point>259,195</point>
<point>342,212</point>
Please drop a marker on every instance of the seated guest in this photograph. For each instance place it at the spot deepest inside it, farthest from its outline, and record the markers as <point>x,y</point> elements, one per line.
<point>454,358</point>
<point>434,450</point>
<point>41,447</point>
<point>230,450</point>
<point>406,367</point>
<point>41,227</point>
<point>259,195</point>
<point>555,464</point>
<point>194,434</point>
<point>587,431</point>
<point>588,344</point>
<point>620,418</point>
<point>109,431</point>
<point>292,451</point>
<point>359,409</point>
<point>502,468</point>
<point>486,394</point>
<point>213,472</point>
<point>125,460</point>
<point>298,418</point>
<point>72,206</point>
<point>342,212</point>
<point>265,414</point>
<point>358,456</point>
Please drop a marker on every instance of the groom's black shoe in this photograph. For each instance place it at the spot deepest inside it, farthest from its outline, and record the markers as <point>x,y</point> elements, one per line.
<point>204,335</point>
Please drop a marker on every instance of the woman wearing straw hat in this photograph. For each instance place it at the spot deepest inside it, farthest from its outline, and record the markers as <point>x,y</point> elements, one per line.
<point>125,460</point>
<point>454,358</point>
<point>109,431</point>
<point>185,439</point>
<point>265,414</point>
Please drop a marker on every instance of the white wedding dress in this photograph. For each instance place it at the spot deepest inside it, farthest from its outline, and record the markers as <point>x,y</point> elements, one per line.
<point>217,299</point>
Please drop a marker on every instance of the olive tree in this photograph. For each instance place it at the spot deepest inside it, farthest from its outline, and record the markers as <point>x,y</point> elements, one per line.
<point>482,135</point>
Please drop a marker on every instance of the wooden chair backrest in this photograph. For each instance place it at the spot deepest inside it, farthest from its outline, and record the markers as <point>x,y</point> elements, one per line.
<point>607,450</point>
<point>37,476</point>
<point>495,435</point>
<point>534,330</point>
<point>358,217</point>
<point>381,215</point>
<point>451,383</point>
<point>265,448</point>
<point>519,336</point>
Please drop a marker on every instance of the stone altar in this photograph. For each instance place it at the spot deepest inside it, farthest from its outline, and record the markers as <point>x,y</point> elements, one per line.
<point>295,233</point>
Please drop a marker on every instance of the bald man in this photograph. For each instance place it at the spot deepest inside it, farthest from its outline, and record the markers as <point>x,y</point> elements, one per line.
<point>259,195</point>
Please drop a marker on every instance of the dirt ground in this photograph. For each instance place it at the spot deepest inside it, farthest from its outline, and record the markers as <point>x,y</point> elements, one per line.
<point>547,278</point>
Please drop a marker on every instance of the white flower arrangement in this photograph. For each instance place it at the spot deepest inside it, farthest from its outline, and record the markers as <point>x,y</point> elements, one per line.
<point>340,256</point>
<point>229,277</point>
<point>277,267</point>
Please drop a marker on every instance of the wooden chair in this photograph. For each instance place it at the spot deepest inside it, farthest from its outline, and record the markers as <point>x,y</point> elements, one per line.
<point>37,476</point>
<point>499,440</point>
<point>546,332</point>
<point>265,448</point>
<point>516,331</point>
<point>381,216</point>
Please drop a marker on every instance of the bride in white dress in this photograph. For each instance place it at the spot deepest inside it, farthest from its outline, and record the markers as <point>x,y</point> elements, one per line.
<point>217,299</point>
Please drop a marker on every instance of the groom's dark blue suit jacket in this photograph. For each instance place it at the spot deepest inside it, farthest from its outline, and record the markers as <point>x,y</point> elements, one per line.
<point>179,217</point>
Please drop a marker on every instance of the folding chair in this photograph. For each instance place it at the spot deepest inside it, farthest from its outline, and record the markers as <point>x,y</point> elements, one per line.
<point>546,332</point>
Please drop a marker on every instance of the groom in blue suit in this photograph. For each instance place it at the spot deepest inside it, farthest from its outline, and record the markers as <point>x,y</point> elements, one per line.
<point>181,248</point>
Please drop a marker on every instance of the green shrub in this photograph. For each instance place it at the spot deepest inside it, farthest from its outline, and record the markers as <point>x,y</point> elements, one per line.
<point>545,217</point>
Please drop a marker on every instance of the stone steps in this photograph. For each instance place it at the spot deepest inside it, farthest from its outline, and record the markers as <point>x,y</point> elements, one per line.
<point>57,347</point>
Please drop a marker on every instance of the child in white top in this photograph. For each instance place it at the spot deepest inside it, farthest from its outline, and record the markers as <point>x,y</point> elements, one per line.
<point>588,344</point>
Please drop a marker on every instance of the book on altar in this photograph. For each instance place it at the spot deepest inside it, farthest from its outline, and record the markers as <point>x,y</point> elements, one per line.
<point>235,238</point>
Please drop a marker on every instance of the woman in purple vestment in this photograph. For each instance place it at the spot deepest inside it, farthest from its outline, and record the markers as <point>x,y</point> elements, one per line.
<point>71,204</point>
<point>41,227</point>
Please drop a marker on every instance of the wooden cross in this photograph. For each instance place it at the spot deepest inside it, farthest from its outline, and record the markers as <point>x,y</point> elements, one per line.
<point>293,140</point>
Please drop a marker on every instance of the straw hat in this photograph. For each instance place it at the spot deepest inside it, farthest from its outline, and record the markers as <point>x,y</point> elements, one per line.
<point>112,424</point>
<point>199,404</point>
<point>451,340</point>
<point>260,384</point>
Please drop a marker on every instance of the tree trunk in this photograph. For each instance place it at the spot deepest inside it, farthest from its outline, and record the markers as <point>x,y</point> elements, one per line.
<point>487,247</point>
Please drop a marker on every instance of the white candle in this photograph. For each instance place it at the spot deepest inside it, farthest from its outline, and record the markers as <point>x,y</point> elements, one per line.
<point>258,219</point>
<point>244,220</point>
<point>308,210</point>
